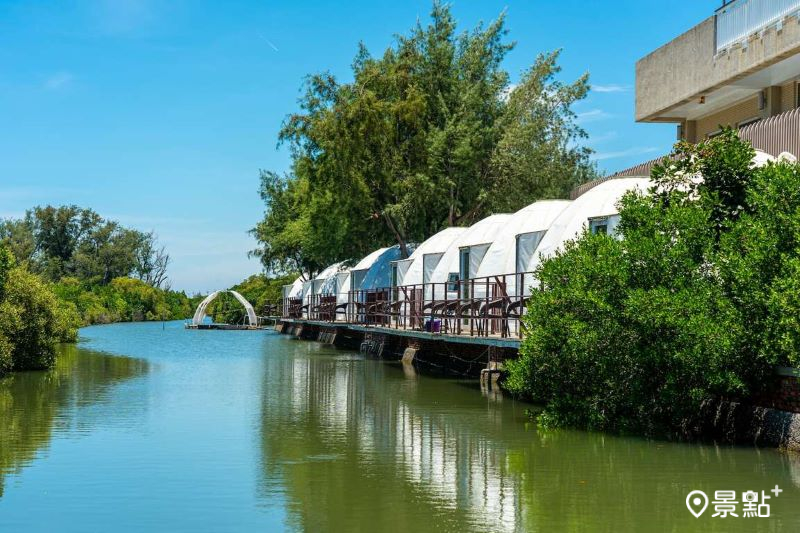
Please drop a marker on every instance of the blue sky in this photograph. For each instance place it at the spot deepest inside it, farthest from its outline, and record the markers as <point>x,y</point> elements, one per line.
<point>160,114</point>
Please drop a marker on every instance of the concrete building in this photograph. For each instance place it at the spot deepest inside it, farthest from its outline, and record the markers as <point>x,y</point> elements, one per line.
<point>740,67</point>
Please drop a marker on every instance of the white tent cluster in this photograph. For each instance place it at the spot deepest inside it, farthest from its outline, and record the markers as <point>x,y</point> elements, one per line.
<point>507,245</point>
<point>498,245</point>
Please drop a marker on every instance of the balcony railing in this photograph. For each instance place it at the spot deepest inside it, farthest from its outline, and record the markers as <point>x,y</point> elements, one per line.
<point>738,20</point>
<point>477,307</point>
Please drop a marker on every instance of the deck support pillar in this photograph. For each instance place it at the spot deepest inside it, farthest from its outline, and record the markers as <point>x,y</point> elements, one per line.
<point>409,354</point>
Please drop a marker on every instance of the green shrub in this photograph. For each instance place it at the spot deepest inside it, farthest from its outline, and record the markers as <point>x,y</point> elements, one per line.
<point>29,319</point>
<point>697,300</point>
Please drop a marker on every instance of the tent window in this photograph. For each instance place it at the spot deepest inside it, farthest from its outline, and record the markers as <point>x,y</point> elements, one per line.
<point>476,255</point>
<point>429,263</point>
<point>452,281</point>
<point>598,226</point>
<point>402,267</point>
<point>394,274</point>
<point>357,279</point>
<point>526,248</point>
<point>605,225</point>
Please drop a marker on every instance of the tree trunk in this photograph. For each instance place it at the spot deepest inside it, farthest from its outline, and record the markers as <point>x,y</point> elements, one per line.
<point>397,235</point>
<point>469,213</point>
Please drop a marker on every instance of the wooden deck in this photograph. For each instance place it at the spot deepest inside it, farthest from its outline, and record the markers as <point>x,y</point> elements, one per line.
<point>491,340</point>
<point>225,327</point>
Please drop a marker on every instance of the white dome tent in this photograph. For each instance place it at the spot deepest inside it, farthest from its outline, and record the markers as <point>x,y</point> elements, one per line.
<point>463,257</point>
<point>511,251</point>
<point>322,278</point>
<point>308,286</point>
<point>335,283</point>
<point>372,272</point>
<point>419,267</point>
<point>294,290</point>
<point>356,274</point>
<point>596,210</point>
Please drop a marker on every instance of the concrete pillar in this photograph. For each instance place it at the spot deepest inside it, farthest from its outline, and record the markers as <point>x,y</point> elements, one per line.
<point>773,100</point>
<point>408,355</point>
<point>690,131</point>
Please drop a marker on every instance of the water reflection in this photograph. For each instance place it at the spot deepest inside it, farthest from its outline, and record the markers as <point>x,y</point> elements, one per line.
<point>244,431</point>
<point>356,444</point>
<point>36,405</point>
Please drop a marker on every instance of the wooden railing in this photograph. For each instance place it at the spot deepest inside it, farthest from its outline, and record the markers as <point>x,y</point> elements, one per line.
<point>487,306</point>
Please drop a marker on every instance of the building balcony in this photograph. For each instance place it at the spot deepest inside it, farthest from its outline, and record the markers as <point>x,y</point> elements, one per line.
<point>747,55</point>
<point>739,20</point>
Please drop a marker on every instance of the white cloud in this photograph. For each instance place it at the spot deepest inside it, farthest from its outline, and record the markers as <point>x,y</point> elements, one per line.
<point>603,137</point>
<point>611,88</point>
<point>592,115</point>
<point>602,156</point>
<point>57,81</point>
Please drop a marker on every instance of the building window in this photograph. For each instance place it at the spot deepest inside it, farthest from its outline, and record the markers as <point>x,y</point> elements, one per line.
<point>747,122</point>
<point>713,134</point>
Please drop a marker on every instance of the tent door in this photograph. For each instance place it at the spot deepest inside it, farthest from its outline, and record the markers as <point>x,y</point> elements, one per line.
<point>463,271</point>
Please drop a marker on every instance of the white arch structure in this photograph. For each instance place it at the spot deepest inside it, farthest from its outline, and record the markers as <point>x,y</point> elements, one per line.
<point>200,313</point>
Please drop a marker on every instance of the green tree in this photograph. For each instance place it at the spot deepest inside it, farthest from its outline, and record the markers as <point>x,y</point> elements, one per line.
<point>430,134</point>
<point>69,241</point>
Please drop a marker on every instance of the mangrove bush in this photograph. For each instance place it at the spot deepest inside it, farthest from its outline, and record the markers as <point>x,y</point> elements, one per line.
<point>695,298</point>
<point>32,320</point>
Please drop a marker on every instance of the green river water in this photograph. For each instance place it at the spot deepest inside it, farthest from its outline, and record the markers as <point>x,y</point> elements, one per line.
<point>150,427</point>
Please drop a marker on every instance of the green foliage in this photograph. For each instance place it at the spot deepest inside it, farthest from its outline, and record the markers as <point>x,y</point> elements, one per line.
<point>32,319</point>
<point>697,299</point>
<point>6,264</point>
<point>32,322</point>
<point>122,300</point>
<point>101,271</point>
<point>429,134</point>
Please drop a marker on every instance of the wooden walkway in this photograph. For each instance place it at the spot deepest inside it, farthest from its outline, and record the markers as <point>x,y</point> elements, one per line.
<point>491,340</point>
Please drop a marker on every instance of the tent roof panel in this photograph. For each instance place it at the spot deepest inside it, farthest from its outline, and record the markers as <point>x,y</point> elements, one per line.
<point>438,243</point>
<point>597,202</point>
<point>330,271</point>
<point>369,260</point>
<point>501,256</point>
<point>482,232</point>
